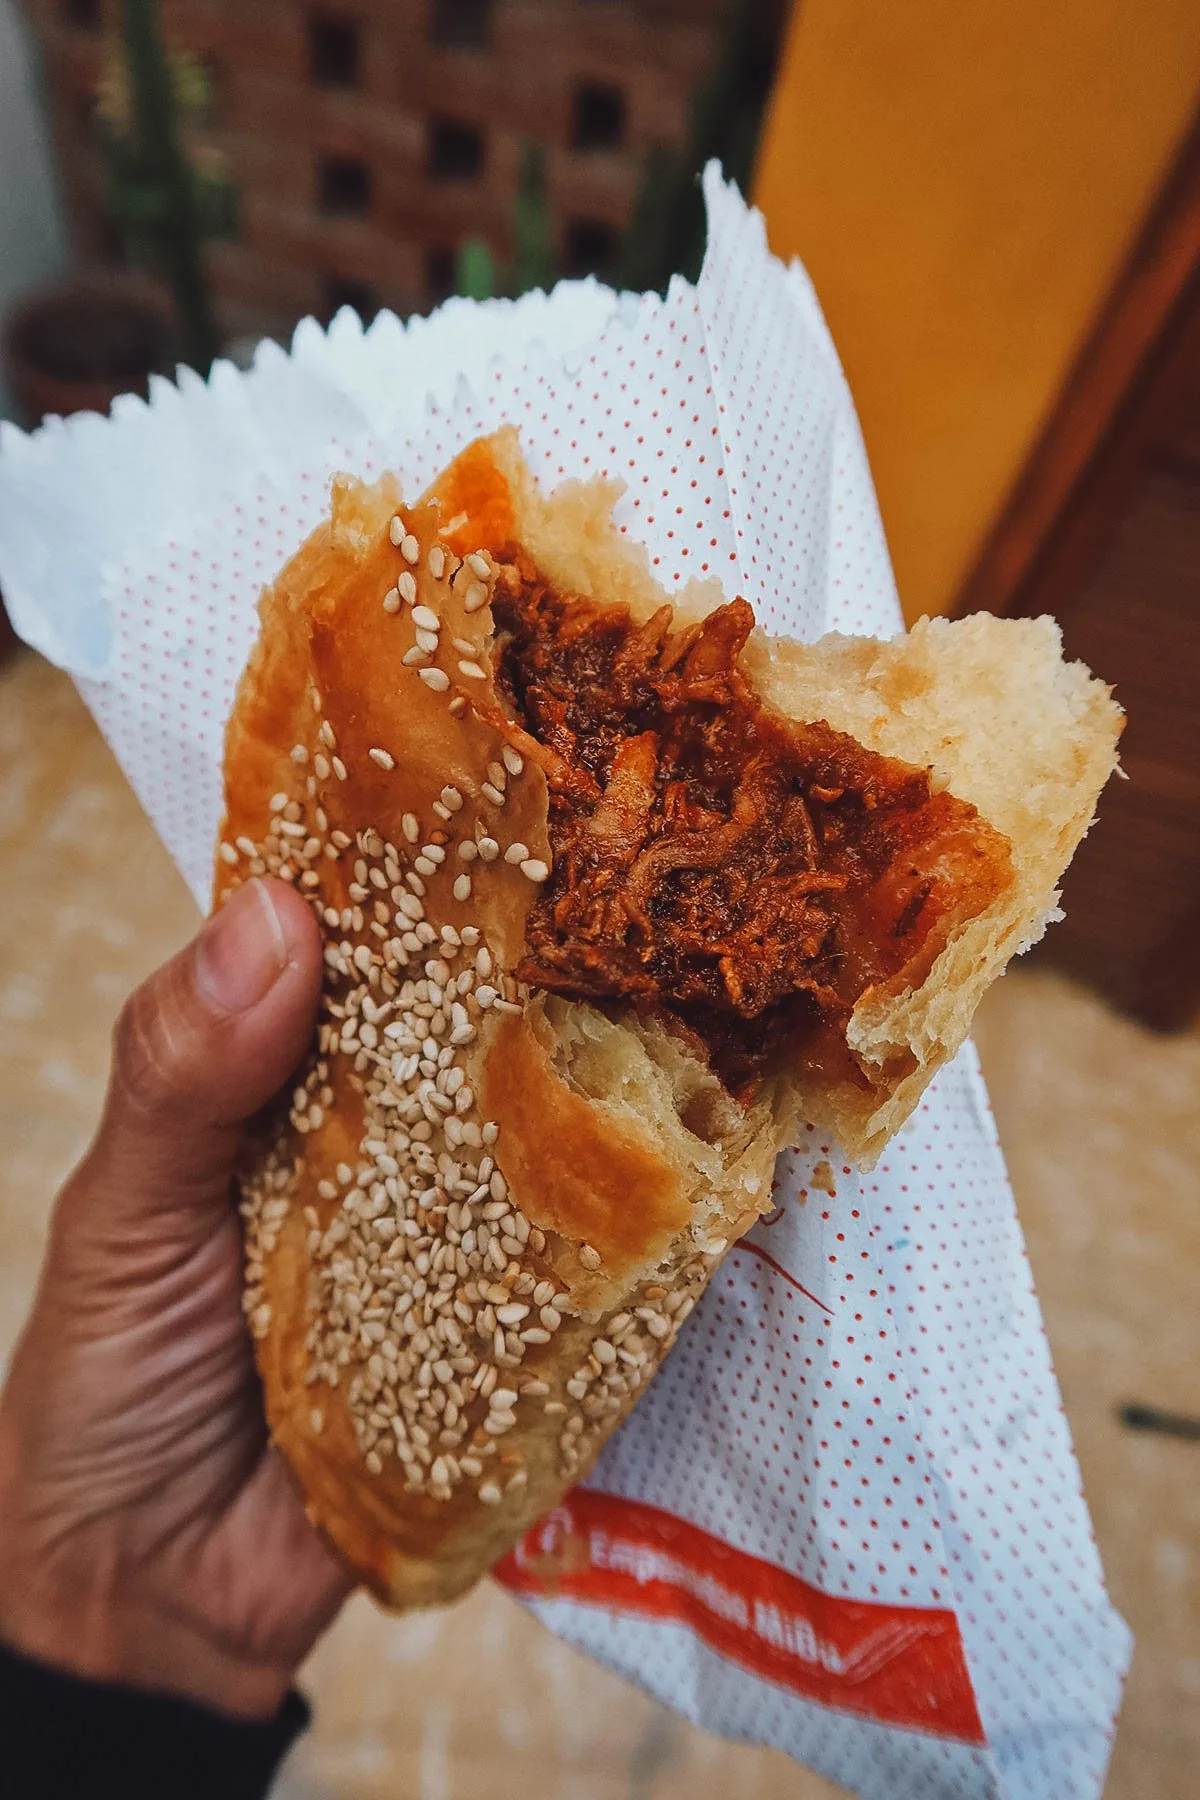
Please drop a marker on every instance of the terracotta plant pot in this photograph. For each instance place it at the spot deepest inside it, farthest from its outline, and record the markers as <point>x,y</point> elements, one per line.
<point>75,347</point>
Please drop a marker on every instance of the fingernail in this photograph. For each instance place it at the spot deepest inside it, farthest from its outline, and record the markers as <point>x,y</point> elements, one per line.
<point>242,951</point>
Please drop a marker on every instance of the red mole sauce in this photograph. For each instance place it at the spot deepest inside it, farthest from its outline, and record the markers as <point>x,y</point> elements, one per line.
<point>749,877</point>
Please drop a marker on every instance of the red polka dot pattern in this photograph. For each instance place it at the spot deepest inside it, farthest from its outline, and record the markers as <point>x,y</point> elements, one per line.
<point>868,1392</point>
<point>864,1396</point>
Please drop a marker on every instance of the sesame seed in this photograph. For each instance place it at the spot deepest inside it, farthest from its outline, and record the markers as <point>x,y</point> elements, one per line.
<point>464,646</point>
<point>423,866</point>
<point>426,618</point>
<point>489,1493</point>
<point>410,550</point>
<point>452,798</point>
<point>475,597</point>
<point>472,671</point>
<point>437,679</point>
<point>497,775</point>
<point>321,765</point>
<point>427,642</point>
<point>517,853</point>
<point>458,706</point>
<point>437,562</point>
<point>488,849</point>
<point>514,762</point>
<point>339,768</point>
<point>589,1257</point>
<point>391,601</point>
<point>434,852</point>
<point>411,828</point>
<point>396,530</point>
<point>468,850</point>
<point>383,758</point>
<point>479,565</point>
<point>415,658</point>
<point>299,753</point>
<point>462,887</point>
<point>485,995</point>
<point>228,854</point>
<point>534,869</point>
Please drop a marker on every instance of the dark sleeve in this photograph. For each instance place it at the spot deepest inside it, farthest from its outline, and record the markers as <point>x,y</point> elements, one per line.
<point>62,1738</point>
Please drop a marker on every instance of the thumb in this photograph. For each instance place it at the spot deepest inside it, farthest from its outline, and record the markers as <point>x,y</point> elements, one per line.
<point>199,1048</point>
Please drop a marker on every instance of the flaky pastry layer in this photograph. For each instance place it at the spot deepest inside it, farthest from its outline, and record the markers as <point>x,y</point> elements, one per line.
<point>477,1224</point>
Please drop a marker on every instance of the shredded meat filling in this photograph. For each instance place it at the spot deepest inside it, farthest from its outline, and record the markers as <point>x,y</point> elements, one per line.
<point>747,876</point>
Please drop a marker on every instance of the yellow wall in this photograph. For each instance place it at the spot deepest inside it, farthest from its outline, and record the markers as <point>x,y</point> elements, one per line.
<point>962,179</point>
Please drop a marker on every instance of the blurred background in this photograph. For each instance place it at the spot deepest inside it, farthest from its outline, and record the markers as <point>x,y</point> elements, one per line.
<point>1000,209</point>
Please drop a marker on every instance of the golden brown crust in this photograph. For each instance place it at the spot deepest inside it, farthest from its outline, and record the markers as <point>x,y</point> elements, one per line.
<point>477,1226</point>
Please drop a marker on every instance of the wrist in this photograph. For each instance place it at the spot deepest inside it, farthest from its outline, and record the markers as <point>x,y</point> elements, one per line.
<point>132,1646</point>
<point>78,1619</point>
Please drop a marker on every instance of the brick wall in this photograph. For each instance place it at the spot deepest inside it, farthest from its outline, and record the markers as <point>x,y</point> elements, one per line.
<point>366,141</point>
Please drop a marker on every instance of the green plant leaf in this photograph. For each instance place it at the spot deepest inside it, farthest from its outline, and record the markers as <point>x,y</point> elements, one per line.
<point>532,237</point>
<point>475,270</point>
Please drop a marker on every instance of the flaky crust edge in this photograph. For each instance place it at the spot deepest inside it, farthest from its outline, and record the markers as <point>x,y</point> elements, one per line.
<point>989,703</point>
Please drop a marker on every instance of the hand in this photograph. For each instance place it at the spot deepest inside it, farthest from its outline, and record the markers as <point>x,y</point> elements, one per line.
<point>148,1531</point>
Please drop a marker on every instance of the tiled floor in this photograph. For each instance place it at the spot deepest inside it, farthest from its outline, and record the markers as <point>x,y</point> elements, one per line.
<point>1102,1128</point>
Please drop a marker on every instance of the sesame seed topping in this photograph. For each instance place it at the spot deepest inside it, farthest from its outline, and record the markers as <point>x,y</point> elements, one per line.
<point>396,530</point>
<point>427,641</point>
<point>464,646</point>
<point>416,658</point>
<point>491,793</point>
<point>339,768</point>
<point>391,601</point>
<point>429,1287</point>
<point>299,753</point>
<point>479,565</point>
<point>383,758</point>
<point>535,869</point>
<point>475,597</point>
<point>410,550</point>
<point>514,762</point>
<point>406,586</point>
<point>472,671</point>
<point>437,562</point>
<point>458,706</point>
<point>437,679</point>
<point>321,766</point>
<point>426,618</point>
<point>228,854</point>
<point>517,853</point>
